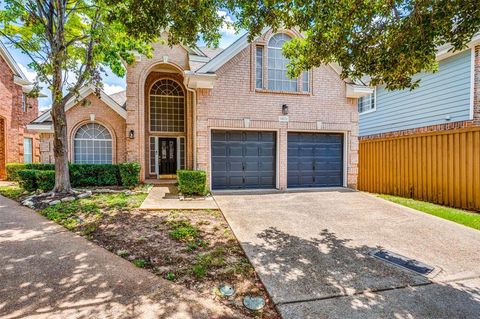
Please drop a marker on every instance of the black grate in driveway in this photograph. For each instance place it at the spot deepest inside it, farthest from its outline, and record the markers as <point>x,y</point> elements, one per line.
<point>403,262</point>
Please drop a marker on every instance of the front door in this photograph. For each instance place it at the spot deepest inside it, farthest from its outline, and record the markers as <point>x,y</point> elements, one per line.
<point>167,156</point>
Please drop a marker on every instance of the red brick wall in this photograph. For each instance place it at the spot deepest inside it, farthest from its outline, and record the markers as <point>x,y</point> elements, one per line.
<point>15,119</point>
<point>234,99</point>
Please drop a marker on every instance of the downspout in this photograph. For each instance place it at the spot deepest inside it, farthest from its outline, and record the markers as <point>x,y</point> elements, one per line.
<point>194,120</point>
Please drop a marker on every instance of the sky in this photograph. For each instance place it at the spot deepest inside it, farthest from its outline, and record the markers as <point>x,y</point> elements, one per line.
<point>111,82</point>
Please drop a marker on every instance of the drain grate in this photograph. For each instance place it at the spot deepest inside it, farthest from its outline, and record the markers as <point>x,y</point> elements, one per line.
<point>403,261</point>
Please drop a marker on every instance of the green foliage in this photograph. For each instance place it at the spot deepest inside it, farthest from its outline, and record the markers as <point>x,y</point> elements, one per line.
<point>390,41</point>
<point>140,263</point>
<point>192,182</point>
<point>170,276</point>
<point>463,217</point>
<point>28,179</point>
<point>45,180</point>
<point>40,166</point>
<point>182,230</point>
<point>12,192</point>
<point>130,174</point>
<point>205,261</point>
<point>94,175</point>
<point>13,169</point>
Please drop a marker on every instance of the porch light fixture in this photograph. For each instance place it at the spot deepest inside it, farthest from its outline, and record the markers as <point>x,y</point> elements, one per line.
<point>131,134</point>
<point>285,109</point>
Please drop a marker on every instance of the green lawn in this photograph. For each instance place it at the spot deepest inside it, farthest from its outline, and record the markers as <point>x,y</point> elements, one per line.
<point>463,217</point>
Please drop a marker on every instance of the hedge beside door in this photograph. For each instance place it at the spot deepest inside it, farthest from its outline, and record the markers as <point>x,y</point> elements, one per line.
<point>439,167</point>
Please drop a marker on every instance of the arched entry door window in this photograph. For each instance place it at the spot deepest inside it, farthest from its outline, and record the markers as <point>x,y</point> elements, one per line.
<point>167,107</point>
<point>92,144</point>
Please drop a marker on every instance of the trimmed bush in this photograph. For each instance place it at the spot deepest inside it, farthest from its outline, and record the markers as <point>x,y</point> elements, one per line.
<point>13,169</point>
<point>45,180</point>
<point>28,179</point>
<point>129,174</point>
<point>94,175</point>
<point>40,166</point>
<point>192,182</point>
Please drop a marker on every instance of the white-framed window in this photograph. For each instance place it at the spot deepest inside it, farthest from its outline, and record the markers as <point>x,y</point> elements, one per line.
<point>275,67</point>
<point>92,144</point>
<point>24,102</point>
<point>367,103</point>
<point>27,150</point>
<point>167,107</point>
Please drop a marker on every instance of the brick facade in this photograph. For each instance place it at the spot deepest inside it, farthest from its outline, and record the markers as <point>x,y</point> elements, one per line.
<point>79,115</point>
<point>234,99</point>
<point>475,121</point>
<point>14,120</point>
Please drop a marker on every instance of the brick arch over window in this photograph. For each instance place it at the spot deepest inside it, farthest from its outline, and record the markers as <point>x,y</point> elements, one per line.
<point>167,107</point>
<point>92,144</point>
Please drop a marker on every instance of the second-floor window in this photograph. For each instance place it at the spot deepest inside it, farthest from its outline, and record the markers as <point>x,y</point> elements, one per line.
<point>367,103</point>
<point>24,102</point>
<point>276,68</point>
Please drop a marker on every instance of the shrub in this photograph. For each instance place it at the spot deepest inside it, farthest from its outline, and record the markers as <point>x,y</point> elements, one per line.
<point>28,179</point>
<point>40,166</point>
<point>13,169</point>
<point>94,175</point>
<point>45,180</point>
<point>129,174</point>
<point>192,182</point>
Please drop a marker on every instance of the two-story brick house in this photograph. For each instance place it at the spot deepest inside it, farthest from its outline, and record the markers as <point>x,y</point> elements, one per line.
<point>17,144</point>
<point>233,113</point>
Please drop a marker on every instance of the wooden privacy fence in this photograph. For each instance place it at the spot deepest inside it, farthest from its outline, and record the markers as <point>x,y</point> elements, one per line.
<point>438,167</point>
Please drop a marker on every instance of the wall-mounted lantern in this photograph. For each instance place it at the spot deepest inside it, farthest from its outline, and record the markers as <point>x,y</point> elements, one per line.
<point>285,109</point>
<point>131,134</point>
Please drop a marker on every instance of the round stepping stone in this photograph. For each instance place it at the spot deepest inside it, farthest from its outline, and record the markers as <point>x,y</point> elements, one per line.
<point>254,303</point>
<point>226,290</point>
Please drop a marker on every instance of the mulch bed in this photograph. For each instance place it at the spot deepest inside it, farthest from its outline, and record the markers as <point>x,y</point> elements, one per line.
<point>208,256</point>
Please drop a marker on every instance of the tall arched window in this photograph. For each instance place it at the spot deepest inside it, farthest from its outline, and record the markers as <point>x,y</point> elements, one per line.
<point>92,144</point>
<point>167,107</point>
<point>277,65</point>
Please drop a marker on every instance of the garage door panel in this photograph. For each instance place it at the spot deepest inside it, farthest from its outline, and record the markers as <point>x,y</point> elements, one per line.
<point>249,161</point>
<point>315,160</point>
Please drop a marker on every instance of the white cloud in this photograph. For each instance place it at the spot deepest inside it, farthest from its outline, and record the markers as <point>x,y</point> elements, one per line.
<point>31,75</point>
<point>112,88</point>
<point>227,26</point>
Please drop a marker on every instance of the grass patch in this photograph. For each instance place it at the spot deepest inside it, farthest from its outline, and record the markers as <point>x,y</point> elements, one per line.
<point>140,263</point>
<point>459,216</point>
<point>182,230</point>
<point>12,192</point>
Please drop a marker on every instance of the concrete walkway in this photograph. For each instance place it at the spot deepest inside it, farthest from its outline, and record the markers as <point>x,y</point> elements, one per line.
<point>165,197</point>
<point>48,272</point>
<point>311,250</point>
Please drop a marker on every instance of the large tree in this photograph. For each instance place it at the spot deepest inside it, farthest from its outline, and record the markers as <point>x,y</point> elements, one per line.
<point>71,41</point>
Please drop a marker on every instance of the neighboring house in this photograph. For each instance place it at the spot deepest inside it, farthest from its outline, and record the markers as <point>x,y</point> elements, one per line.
<point>425,143</point>
<point>447,99</point>
<point>233,113</point>
<point>17,144</point>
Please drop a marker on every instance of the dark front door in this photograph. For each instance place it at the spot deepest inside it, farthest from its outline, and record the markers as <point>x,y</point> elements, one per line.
<point>243,159</point>
<point>315,160</point>
<point>167,156</point>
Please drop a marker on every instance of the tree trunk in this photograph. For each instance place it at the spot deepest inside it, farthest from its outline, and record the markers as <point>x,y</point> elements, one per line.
<point>60,149</point>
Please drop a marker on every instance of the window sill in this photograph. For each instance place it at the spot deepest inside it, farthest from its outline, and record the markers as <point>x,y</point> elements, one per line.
<point>281,92</point>
<point>366,112</point>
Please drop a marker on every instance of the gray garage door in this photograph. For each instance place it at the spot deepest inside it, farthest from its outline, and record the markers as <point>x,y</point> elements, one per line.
<point>315,160</point>
<point>243,159</point>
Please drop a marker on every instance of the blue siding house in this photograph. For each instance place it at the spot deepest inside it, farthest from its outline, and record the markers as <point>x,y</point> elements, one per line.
<point>443,97</point>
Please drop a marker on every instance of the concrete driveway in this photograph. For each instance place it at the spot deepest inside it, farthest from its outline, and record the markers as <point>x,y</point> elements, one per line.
<point>311,250</point>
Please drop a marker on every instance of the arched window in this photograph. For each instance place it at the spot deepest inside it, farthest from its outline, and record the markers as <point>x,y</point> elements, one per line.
<point>167,107</point>
<point>92,144</point>
<point>277,65</point>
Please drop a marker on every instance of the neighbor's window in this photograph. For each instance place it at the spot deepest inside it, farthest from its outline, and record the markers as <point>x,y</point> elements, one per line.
<point>305,81</point>
<point>27,150</point>
<point>366,103</point>
<point>24,102</point>
<point>167,107</point>
<point>92,144</point>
